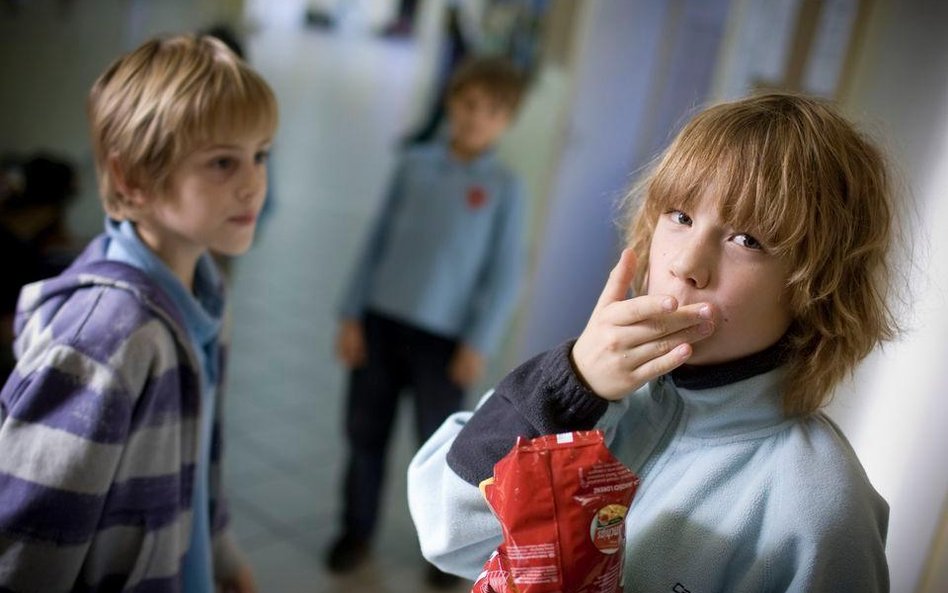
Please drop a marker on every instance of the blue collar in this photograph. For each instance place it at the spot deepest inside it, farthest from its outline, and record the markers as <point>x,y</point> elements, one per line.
<point>751,407</point>
<point>201,311</point>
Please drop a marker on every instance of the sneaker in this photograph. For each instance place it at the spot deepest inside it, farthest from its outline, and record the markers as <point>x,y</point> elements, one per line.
<point>347,553</point>
<point>439,579</point>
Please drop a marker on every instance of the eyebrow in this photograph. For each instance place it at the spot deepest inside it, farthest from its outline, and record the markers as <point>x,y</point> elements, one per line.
<point>213,147</point>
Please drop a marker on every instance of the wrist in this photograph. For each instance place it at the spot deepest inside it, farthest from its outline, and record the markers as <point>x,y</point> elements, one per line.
<point>571,357</point>
<point>571,403</point>
<point>580,369</point>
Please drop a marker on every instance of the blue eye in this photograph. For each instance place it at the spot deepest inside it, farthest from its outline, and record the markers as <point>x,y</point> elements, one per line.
<point>745,240</point>
<point>679,217</point>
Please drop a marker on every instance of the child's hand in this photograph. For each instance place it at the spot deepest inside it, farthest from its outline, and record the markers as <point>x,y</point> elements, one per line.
<point>467,366</point>
<point>350,344</point>
<point>241,582</point>
<point>629,342</point>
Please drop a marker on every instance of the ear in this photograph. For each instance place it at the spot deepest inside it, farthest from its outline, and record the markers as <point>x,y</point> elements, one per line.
<point>130,194</point>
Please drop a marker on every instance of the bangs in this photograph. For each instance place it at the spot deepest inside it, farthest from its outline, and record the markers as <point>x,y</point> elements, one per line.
<point>232,101</point>
<point>748,165</point>
<point>155,105</point>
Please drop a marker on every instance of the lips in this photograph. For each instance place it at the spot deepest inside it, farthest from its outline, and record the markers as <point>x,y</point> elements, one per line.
<point>243,219</point>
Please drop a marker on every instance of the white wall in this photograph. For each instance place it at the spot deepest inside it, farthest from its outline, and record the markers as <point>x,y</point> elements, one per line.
<point>895,411</point>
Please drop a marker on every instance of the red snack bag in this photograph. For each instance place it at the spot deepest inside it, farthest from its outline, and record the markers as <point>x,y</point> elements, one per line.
<point>561,501</point>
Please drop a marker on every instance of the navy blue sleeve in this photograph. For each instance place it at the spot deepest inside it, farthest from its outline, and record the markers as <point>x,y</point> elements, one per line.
<point>542,396</point>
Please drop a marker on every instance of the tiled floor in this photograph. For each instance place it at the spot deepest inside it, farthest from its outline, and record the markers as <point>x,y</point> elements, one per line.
<point>345,97</point>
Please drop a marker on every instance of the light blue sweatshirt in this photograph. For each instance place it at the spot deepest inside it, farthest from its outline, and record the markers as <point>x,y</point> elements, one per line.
<point>446,252</point>
<point>202,313</point>
<point>734,497</point>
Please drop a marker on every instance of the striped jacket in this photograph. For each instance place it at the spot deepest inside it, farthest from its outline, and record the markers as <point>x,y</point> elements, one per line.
<point>99,436</point>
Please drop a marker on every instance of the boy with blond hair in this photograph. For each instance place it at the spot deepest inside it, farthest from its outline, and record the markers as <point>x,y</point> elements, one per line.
<point>110,424</point>
<point>760,256</point>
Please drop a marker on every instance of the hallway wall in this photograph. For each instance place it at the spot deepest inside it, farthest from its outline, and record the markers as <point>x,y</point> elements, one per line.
<point>899,421</point>
<point>639,67</point>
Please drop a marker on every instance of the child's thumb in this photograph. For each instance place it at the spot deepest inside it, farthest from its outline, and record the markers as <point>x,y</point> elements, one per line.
<point>619,281</point>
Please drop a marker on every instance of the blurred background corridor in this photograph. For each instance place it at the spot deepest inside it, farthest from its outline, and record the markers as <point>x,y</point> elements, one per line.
<point>611,82</point>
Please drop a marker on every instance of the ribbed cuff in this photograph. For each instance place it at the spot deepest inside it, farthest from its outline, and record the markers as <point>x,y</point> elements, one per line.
<point>570,404</point>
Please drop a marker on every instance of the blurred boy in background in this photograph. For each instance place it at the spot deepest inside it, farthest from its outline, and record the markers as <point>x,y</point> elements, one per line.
<point>431,295</point>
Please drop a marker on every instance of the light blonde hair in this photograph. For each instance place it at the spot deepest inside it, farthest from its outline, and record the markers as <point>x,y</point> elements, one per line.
<point>797,175</point>
<point>156,104</point>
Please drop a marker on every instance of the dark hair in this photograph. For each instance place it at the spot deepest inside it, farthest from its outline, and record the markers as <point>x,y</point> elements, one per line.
<point>496,75</point>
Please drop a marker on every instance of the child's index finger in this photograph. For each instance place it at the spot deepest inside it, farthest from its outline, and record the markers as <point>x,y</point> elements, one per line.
<point>664,310</point>
<point>641,308</point>
<point>619,281</point>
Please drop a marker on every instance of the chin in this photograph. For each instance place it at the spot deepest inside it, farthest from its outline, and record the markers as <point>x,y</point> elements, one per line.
<point>698,359</point>
<point>472,143</point>
<point>234,248</point>
<point>704,353</point>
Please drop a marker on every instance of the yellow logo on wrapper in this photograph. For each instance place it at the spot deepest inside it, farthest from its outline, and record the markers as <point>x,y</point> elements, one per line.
<point>607,528</point>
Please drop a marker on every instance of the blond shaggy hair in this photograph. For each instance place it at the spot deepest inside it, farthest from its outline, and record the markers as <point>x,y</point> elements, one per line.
<point>798,176</point>
<point>155,105</point>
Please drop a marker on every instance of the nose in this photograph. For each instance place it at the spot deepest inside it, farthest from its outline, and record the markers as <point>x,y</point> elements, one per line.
<point>692,263</point>
<point>254,183</point>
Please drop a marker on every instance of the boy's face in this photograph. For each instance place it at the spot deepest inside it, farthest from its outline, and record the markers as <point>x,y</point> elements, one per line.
<point>696,258</point>
<point>477,119</point>
<point>212,200</point>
